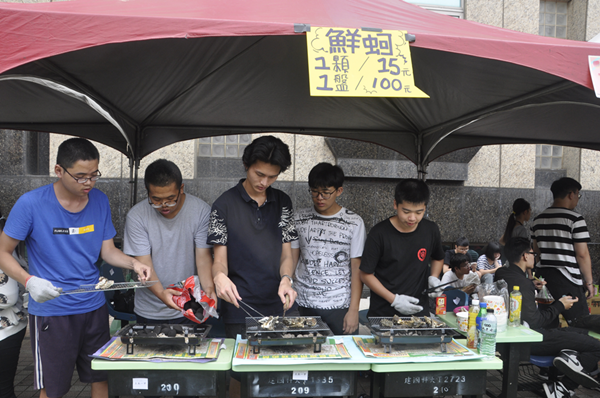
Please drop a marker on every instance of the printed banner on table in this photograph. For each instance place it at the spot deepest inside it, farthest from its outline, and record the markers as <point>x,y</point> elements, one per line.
<point>360,63</point>
<point>410,352</point>
<point>115,350</point>
<point>331,350</point>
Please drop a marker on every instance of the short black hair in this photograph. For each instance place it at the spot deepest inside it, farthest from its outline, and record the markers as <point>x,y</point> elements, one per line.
<point>326,175</point>
<point>267,149</point>
<point>412,190</point>
<point>491,249</point>
<point>162,172</point>
<point>462,241</point>
<point>457,259</point>
<point>515,247</point>
<point>74,150</point>
<point>561,187</point>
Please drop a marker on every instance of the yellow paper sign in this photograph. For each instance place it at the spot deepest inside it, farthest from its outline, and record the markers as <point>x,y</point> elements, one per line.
<point>360,63</point>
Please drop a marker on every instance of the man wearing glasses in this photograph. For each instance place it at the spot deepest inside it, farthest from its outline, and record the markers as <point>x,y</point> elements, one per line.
<point>561,237</point>
<point>167,231</point>
<point>329,247</point>
<point>66,226</point>
<point>577,354</point>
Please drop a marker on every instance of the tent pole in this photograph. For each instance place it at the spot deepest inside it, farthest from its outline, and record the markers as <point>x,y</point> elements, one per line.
<point>134,165</point>
<point>421,165</point>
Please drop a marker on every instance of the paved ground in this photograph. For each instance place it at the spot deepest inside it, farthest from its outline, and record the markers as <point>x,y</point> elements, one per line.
<point>24,380</point>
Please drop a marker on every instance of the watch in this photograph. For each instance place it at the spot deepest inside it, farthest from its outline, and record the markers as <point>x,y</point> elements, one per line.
<point>290,278</point>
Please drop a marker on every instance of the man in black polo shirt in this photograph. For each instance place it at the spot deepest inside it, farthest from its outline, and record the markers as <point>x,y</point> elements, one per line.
<point>251,227</point>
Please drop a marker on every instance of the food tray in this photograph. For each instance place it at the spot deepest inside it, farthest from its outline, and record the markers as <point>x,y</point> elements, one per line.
<point>388,336</point>
<point>285,335</point>
<point>115,286</point>
<point>190,335</point>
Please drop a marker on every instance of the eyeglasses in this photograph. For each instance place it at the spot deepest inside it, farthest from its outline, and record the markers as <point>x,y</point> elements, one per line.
<point>324,195</point>
<point>83,180</point>
<point>534,253</point>
<point>465,265</point>
<point>168,203</point>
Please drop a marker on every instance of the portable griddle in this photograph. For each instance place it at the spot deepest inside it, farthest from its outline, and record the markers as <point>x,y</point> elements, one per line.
<point>188,335</point>
<point>283,335</point>
<point>398,334</point>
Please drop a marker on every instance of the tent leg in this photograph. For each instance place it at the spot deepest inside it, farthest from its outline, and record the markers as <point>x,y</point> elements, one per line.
<point>134,166</point>
<point>422,172</point>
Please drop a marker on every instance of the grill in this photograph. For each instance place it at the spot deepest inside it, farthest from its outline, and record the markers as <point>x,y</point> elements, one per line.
<point>184,335</point>
<point>388,335</point>
<point>282,335</point>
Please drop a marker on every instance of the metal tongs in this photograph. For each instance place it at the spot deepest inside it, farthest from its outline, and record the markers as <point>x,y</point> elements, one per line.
<point>249,307</point>
<point>433,289</point>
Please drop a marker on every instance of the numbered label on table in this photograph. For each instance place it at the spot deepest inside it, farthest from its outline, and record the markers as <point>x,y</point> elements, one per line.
<point>300,383</point>
<point>410,384</point>
<point>168,387</point>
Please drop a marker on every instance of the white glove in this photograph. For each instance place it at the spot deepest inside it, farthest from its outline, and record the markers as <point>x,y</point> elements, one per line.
<point>433,283</point>
<point>41,290</point>
<point>406,305</point>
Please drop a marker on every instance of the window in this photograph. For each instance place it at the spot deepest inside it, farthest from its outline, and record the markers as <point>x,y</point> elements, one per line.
<point>548,157</point>
<point>224,146</point>
<point>553,19</point>
<point>453,8</point>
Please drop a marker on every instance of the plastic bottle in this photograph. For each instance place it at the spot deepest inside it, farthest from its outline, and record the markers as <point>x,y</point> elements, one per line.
<point>516,299</point>
<point>482,314</point>
<point>472,328</point>
<point>487,346</point>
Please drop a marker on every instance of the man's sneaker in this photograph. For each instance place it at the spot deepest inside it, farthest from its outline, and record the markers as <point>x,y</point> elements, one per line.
<point>543,374</point>
<point>557,390</point>
<point>568,363</point>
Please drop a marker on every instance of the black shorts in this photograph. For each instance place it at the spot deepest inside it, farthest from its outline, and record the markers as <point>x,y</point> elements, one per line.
<point>59,343</point>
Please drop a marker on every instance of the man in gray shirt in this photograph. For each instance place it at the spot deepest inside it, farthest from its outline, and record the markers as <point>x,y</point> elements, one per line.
<point>168,232</point>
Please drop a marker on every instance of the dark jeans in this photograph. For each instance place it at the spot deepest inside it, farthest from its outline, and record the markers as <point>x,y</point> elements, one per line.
<point>570,338</point>
<point>333,318</point>
<point>560,286</point>
<point>10,348</point>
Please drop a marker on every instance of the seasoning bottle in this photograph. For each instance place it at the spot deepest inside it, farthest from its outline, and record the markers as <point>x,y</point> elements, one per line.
<point>516,298</point>
<point>472,326</point>
<point>480,316</point>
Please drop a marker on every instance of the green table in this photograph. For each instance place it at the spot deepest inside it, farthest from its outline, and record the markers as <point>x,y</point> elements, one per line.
<point>466,378</point>
<point>513,346</point>
<point>168,378</point>
<point>302,377</point>
<point>338,377</point>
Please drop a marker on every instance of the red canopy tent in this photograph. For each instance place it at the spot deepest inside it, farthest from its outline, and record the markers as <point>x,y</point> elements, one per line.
<point>141,74</point>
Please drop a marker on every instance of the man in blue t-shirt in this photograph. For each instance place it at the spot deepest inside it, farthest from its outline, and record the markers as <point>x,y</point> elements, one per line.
<point>66,226</point>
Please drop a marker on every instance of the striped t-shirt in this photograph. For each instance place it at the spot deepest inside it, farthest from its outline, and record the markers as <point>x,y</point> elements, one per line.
<point>556,230</point>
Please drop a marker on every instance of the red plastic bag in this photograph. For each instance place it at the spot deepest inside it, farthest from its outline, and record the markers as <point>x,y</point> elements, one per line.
<point>194,303</point>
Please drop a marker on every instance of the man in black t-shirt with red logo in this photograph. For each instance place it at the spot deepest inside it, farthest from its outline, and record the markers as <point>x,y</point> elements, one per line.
<point>397,255</point>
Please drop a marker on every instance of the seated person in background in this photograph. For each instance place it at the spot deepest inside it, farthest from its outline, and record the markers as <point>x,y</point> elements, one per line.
<point>576,353</point>
<point>330,244</point>
<point>489,262</point>
<point>461,246</point>
<point>460,266</point>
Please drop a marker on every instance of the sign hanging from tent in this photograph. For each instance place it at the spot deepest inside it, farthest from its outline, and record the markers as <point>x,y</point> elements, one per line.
<point>360,63</point>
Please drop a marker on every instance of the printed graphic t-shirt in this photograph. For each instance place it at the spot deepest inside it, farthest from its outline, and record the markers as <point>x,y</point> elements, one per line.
<point>327,244</point>
<point>62,246</point>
